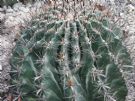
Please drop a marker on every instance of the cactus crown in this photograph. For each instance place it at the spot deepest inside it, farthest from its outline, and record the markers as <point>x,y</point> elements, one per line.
<point>70,53</point>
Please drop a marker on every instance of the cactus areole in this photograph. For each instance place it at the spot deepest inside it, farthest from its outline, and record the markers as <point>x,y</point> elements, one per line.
<point>70,53</point>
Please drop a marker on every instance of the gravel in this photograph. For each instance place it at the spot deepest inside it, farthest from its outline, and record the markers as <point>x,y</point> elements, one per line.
<point>129,42</point>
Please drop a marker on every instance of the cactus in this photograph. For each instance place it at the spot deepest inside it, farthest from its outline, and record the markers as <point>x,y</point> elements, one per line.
<point>7,2</point>
<point>12,2</point>
<point>66,55</point>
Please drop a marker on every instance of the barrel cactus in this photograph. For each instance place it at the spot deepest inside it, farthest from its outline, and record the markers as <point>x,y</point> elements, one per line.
<point>70,53</point>
<point>8,2</point>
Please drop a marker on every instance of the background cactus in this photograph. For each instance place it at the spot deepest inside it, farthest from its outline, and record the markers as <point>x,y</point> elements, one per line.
<point>12,2</point>
<point>70,53</point>
<point>7,2</point>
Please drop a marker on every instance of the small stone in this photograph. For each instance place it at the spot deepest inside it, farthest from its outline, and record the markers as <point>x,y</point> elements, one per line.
<point>1,52</point>
<point>38,4</point>
<point>16,9</point>
<point>1,9</point>
<point>28,5</point>
<point>24,9</point>
<point>1,67</point>
<point>10,10</point>
<point>4,7</point>
<point>14,43</point>
<point>131,8</point>
<point>2,16</point>
<point>17,6</point>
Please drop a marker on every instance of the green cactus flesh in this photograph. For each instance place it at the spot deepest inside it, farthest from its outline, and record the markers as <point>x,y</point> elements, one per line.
<point>70,60</point>
<point>8,2</point>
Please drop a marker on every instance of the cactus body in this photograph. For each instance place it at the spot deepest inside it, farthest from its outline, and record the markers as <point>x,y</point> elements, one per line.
<point>7,2</point>
<point>70,59</point>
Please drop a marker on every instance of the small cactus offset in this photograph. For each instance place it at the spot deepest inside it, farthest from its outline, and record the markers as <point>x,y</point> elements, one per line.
<point>70,53</point>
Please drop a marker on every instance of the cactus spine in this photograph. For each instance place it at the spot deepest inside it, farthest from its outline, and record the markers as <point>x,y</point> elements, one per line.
<point>69,55</point>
